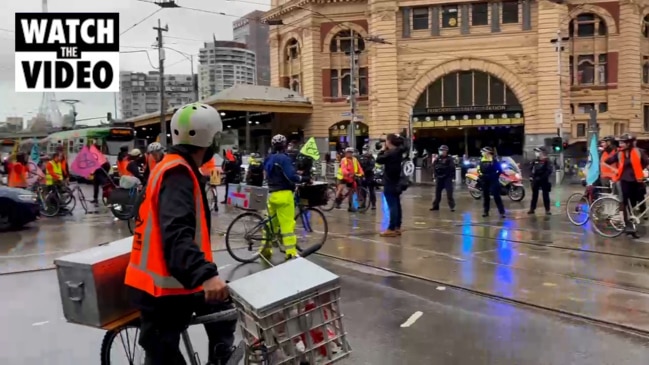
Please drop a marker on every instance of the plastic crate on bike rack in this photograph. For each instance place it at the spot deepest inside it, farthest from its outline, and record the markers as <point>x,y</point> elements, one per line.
<point>314,195</point>
<point>290,314</point>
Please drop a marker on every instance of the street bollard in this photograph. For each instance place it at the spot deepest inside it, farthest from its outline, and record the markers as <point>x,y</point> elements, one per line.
<point>417,175</point>
<point>458,176</point>
<point>558,178</point>
<point>323,168</point>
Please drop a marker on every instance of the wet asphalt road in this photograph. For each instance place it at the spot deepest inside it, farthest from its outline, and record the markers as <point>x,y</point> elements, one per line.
<point>538,260</point>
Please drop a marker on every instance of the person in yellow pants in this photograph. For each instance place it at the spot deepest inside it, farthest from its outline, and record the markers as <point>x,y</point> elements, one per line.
<point>282,177</point>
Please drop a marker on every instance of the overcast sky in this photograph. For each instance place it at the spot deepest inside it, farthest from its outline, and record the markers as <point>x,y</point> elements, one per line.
<point>187,30</point>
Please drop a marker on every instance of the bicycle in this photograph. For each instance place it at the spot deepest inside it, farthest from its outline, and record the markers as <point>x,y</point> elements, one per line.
<point>212,197</point>
<point>607,209</point>
<point>331,199</point>
<point>579,213</point>
<point>267,235</point>
<point>49,205</point>
<point>74,194</point>
<point>362,195</point>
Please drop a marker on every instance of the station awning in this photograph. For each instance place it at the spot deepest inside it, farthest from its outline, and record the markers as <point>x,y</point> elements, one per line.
<point>252,98</point>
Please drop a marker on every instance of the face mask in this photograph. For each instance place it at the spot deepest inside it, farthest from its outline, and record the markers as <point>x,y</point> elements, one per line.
<point>537,154</point>
<point>443,153</point>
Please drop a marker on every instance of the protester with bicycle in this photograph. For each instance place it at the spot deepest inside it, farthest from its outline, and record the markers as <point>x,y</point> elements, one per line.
<point>53,172</point>
<point>607,172</point>
<point>132,176</point>
<point>282,177</point>
<point>349,173</point>
<point>391,156</point>
<point>171,270</point>
<point>368,164</point>
<point>64,163</point>
<point>18,172</point>
<point>631,163</point>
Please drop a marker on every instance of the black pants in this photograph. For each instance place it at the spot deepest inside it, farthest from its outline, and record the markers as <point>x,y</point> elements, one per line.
<point>489,189</point>
<point>633,192</point>
<point>162,324</point>
<point>100,178</point>
<point>545,188</point>
<point>445,183</point>
<point>368,182</point>
<point>394,205</point>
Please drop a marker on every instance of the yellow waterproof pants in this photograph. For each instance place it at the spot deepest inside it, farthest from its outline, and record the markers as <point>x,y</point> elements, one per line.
<point>281,206</point>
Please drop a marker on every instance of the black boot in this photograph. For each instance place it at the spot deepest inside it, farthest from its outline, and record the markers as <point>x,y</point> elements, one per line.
<point>227,355</point>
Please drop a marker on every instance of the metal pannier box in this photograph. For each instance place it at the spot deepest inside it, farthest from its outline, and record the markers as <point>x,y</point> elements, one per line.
<point>91,283</point>
<point>247,196</point>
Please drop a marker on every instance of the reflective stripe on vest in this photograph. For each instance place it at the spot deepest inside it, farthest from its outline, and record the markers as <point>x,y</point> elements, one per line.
<point>636,164</point>
<point>345,161</point>
<point>156,280</point>
<point>56,166</point>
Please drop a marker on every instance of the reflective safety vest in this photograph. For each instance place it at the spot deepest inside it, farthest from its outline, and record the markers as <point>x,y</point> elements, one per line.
<point>121,167</point>
<point>151,162</point>
<point>17,176</point>
<point>636,164</point>
<point>57,169</point>
<point>208,167</point>
<point>355,168</point>
<point>605,170</point>
<point>147,270</point>
<point>64,167</point>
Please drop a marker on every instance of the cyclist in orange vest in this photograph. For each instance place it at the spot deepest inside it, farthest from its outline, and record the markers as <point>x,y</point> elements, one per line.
<point>631,163</point>
<point>64,162</point>
<point>171,270</point>
<point>18,173</point>
<point>348,172</point>
<point>154,154</point>
<point>122,161</point>
<point>607,172</point>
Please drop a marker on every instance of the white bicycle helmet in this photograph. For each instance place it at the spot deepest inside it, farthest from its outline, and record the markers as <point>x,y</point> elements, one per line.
<point>195,124</point>
<point>349,150</point>
<point>135,152</point>
<point>278,139</point>
<point>154,147</point>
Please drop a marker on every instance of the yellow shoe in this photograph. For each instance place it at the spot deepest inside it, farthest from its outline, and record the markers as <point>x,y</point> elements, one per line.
<point>291,254</point>
<point>266,252</point>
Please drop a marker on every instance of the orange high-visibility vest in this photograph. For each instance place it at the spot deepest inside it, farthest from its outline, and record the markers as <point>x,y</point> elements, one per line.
<point>606,171</point>
<point>121,167</point>
<point>636,164</point>
<point>151,162</point>
<point>17,176</point>
<point>208,167</point>
<point>147,270</point>
<point>64,166</point>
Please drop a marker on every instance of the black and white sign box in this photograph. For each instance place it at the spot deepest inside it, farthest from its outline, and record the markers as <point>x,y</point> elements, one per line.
<point>67,52</point>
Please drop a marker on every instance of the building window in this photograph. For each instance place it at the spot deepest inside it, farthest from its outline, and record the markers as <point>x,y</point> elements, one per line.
<point>645,26</point>
<point>419,18</point>
<point>645,69</point>
<point>449,16</point>
<point>510,12</point>
<point>292,50</point>
<point>335,83</point>
<point>341,82</point>
<point>587,25</point>
<point>603,107</point>
<point>362,81</point>
<point>581,130</point>
<point>585,108</point>
<point>645,117</point>
<point>342,42</point>
<point>295,84</point>
<point>480,14</point>
<point>619,128</point>
<point>590,70</point>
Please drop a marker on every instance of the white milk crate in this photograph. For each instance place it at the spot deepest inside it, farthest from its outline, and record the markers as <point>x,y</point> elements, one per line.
<point>290,314</point>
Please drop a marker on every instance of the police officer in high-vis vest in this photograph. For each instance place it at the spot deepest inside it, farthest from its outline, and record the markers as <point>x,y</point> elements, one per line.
<point>171,271</point>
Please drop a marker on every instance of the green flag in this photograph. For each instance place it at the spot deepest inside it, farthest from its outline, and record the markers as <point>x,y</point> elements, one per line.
<point>310,149</point>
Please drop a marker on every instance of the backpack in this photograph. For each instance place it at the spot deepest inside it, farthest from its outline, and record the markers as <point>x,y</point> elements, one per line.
<point>407,168</point>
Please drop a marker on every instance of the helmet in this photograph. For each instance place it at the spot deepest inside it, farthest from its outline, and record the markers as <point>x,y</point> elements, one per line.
<point>627,137</point>
<point>443,148</point>
<point>255,155</point>
<point>608,139</point>
<point>349,150</point>
<point>278,140</point>
<point>195,124</point>
<point>366,148</point>
<point>540,149</point>
<point>135,153</point>
<point>154,147</point>
<point>487,150</point>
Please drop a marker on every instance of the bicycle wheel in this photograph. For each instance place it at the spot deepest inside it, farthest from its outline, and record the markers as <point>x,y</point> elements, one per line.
<point>311,228</point>
<point>66,196</point>
<point>363,198</point>
<point>128,351</point>
<point>331,199</point>
<point>82,200</point>
<point>606,217</point>
<point>212,199</point>
<point>577,208</point>
<point>246,238</point>
<point>71,204</point>
<point>49,205</point>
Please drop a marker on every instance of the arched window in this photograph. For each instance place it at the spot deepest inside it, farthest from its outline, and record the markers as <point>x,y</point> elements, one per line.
<point>645,70</point>
<point>292,49</point>
<point>587,25</point>
<point>295,85</point>
<point>342,42</point>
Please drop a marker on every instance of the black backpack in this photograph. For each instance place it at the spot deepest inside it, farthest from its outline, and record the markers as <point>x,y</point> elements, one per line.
<point>404,180</point>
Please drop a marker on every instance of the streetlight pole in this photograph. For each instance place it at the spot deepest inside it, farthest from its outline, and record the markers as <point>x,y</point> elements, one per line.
<point>558,116</point>
<point>161,60</point>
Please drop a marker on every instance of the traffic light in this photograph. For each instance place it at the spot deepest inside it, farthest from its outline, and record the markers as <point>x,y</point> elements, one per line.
<point>557,144</point>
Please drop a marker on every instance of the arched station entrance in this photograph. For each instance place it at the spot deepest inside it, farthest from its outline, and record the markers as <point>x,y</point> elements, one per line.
<point>468,110</point>
<point>340,135</point>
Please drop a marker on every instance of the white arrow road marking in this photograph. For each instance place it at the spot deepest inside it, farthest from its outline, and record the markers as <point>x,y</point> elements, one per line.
<point>413,318</point>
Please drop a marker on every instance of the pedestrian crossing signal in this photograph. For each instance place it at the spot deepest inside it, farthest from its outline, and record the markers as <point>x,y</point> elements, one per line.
<point>557,144</point>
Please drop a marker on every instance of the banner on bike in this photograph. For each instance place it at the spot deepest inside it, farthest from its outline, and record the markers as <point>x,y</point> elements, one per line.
<point>35,155</point>
<point>310,149</point>
<point>88,160</point>
<point>592,167</point>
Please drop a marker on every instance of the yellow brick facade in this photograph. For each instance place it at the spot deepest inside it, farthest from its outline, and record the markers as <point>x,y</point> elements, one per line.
<point>525,60</point>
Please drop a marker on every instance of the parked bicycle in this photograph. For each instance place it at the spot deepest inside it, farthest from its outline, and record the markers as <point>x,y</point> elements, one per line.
<point>49,204</point>
<point>264,231</point>
<point>607,216</point>
<point>579,205</point>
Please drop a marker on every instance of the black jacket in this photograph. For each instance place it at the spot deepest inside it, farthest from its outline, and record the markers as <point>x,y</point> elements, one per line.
<point>444,167</point>
<point>184,258</point>
<point>541,170</point>
<point>368,163</point>
<point>134,168</point>
<point>391,159</point>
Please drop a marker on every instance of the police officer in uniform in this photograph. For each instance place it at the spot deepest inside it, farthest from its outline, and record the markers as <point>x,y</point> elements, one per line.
<point>444,168</point>
<point>540,179</point>
<point>368,163</point>
<point>489,170</point>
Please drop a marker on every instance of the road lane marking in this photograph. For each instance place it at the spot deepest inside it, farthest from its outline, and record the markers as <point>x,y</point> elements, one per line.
<point>413,318</point>
<point>441,288</point>
<point>40,323</point>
